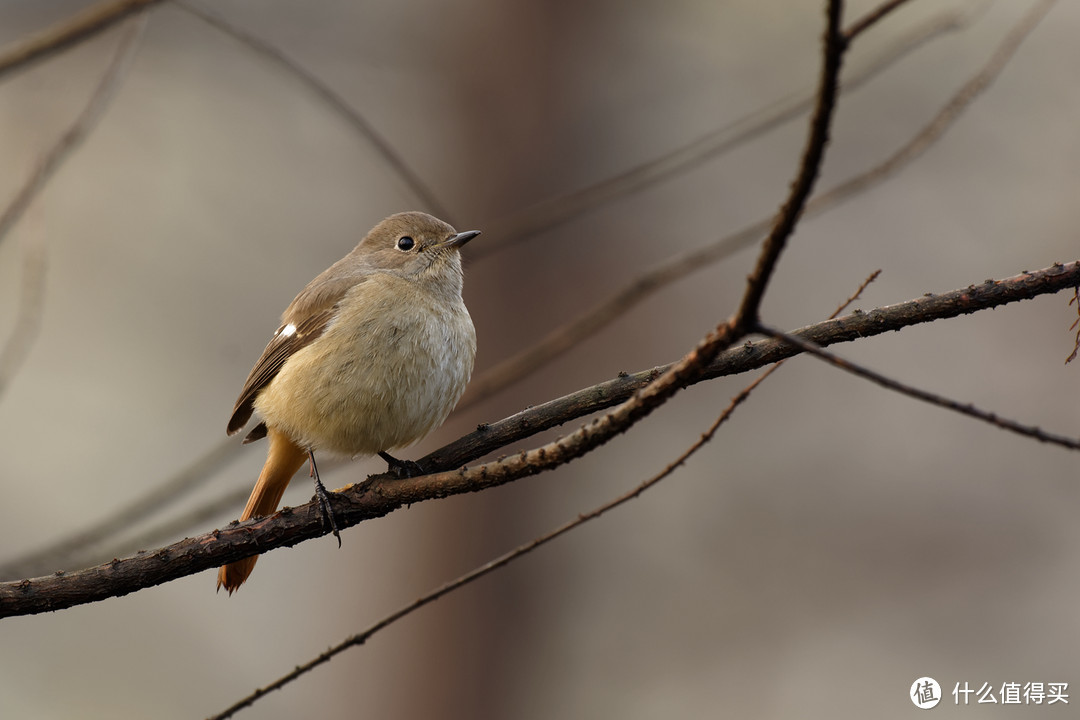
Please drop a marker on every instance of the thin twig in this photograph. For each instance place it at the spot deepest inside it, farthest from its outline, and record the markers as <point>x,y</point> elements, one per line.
<point>522,550</point>
<point>329,96</point>
<point>69,31</point>
<point>551,213</point>
<point>870,18</point>
<point>929,397</point>
<point>561,339</point>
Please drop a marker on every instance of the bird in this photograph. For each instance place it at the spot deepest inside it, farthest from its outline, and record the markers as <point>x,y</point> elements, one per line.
<point>371,356</point>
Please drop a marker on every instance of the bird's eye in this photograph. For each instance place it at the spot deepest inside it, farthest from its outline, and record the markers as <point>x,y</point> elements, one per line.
<point>405,243</point>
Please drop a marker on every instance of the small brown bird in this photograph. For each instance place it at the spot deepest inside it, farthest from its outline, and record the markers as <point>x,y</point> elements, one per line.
<point>371,356</point>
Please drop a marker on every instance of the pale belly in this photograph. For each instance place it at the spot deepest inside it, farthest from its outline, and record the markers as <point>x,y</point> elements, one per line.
<point>372,384</point>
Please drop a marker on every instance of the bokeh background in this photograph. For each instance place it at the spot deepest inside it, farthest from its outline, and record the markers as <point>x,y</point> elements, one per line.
<point>832,544</point>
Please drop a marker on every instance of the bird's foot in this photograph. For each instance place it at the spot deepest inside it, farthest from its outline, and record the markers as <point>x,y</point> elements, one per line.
<point>323,496</point>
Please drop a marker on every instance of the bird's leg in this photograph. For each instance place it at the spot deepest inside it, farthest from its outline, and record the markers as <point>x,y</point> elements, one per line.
<point>401,468</point>
<point>323,497</point>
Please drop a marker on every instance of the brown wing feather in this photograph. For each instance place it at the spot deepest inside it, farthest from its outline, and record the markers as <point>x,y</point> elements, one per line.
<point>309,313</point>
<point>277,351</point>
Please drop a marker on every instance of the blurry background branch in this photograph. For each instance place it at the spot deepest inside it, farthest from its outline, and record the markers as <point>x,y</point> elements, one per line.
<point>32,297</point>
<point>552,213</point>
<point>266,50</point>
<point>82,26</point>
<point>83,126</point>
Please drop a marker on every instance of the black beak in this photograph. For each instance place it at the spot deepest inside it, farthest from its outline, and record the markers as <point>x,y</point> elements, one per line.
<point>460,239</point>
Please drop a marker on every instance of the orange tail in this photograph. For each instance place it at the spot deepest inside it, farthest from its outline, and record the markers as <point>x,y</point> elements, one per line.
<point>283,459</point>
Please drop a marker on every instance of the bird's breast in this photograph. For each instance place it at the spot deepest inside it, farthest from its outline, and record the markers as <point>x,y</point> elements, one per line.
<point>387,370</point>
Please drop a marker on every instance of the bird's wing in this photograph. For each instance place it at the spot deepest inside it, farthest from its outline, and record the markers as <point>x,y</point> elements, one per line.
<point>287,340</point>
<point>302,323</point>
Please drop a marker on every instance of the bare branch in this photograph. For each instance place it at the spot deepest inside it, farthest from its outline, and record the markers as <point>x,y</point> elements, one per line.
<point>327,95</point>
<point>83,125</point>
<point>383,494</point>
<point>929,397</point>
<point>72,30</point>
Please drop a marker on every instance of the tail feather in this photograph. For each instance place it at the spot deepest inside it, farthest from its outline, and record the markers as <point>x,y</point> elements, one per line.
<point>283,459</point>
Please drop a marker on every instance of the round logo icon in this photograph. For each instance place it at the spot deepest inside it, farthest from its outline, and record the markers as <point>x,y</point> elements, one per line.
<point>925,693</point>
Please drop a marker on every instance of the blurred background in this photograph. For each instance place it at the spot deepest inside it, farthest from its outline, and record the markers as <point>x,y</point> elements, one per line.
<point>832,544</point>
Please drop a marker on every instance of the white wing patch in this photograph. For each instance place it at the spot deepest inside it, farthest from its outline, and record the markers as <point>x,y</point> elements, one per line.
<point>288,330</point>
